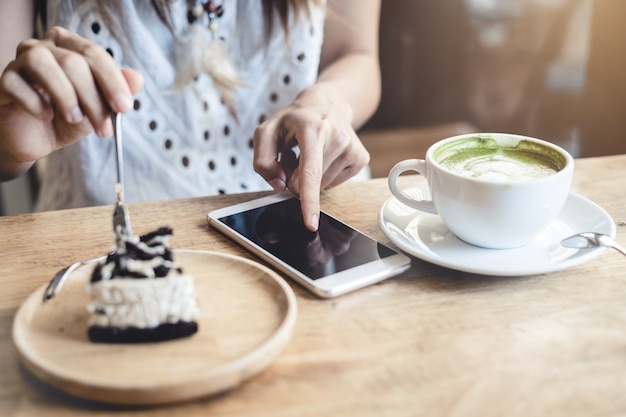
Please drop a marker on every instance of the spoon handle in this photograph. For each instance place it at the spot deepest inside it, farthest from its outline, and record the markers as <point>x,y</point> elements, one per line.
<point>609,241</point>
<point>619,248</point>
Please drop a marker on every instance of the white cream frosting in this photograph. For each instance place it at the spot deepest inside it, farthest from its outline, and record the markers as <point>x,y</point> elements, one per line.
<point>142,302</point>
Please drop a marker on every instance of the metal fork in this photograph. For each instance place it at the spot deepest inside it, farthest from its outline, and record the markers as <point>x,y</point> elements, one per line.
<point>121,219</point>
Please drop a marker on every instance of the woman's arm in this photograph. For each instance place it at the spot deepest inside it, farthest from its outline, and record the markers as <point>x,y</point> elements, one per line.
<point>323,118</point>
<point>349,62</point>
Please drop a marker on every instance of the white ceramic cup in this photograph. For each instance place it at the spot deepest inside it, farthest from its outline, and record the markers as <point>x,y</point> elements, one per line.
<point>492,201</point>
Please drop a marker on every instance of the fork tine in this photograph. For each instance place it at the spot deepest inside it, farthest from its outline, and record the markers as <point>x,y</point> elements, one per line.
<point>121,220</point>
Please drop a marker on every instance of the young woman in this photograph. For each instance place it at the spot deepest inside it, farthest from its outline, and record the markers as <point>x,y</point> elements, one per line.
<point>216,96</point>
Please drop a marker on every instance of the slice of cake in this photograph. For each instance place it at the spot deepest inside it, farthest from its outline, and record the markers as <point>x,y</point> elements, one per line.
<point>139,294</point>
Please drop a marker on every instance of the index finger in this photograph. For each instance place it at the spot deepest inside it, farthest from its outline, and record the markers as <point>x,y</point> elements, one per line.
<point>108,76</point>
<point>309,177</point>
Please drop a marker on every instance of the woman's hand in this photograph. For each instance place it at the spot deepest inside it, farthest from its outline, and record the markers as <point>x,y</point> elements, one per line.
<point>323,119</point>
<point>320,125</point>
<point>56,91</point>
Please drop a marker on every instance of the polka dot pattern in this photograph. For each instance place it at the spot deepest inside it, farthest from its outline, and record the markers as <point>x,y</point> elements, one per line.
<point>185,143</point>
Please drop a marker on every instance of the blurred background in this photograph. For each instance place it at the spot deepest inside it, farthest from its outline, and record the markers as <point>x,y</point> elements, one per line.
<point>553,69</point>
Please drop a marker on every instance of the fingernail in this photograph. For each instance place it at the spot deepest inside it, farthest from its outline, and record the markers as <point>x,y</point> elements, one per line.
<point>106,129</point>
<point>314,221</point>
<point>122,102</point>
<point>75,116</point>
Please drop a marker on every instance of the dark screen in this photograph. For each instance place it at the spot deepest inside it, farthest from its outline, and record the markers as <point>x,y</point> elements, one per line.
<point>279,229</point>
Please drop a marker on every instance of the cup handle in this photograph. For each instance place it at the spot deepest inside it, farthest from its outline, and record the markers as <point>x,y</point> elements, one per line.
<point>419,166</point>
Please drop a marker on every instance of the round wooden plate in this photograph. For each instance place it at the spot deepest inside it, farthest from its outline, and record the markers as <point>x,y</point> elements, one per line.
<point>247,315</point>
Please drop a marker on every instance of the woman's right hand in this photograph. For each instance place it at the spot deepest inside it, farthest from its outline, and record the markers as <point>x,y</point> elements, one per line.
<point>56,91</point>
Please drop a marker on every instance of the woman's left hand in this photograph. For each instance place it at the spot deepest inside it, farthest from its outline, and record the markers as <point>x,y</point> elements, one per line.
<point>330,152</point>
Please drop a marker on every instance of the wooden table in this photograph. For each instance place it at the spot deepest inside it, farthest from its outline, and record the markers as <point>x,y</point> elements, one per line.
<point>432,342</point>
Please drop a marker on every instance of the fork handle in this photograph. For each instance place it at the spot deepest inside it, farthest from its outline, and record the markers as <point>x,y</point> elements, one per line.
<point>116,118</point>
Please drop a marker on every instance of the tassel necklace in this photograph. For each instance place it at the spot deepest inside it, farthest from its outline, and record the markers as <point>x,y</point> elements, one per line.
<point>213,11</point>
<point>206,52</point>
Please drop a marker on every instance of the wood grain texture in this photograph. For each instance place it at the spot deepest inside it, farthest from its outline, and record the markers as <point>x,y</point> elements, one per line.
<point>431,342</point>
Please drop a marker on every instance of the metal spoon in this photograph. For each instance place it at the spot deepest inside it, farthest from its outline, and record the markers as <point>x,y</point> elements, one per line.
<point>591,240</point>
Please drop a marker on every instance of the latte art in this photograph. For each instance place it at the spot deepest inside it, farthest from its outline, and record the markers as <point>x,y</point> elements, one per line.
<point>500,167</point>
<point>484,159</point>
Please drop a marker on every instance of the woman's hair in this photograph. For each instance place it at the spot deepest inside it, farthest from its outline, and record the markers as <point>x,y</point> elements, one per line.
<point>269,6</point>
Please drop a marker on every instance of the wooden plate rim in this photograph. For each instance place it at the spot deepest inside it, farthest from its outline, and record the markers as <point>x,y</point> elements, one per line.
<point>245,366</point>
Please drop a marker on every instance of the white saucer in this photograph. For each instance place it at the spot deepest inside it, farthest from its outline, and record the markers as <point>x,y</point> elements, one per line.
<point>426,237</point>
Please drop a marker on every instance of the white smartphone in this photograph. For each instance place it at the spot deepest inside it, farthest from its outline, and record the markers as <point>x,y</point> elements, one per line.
<point>332,261</point>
